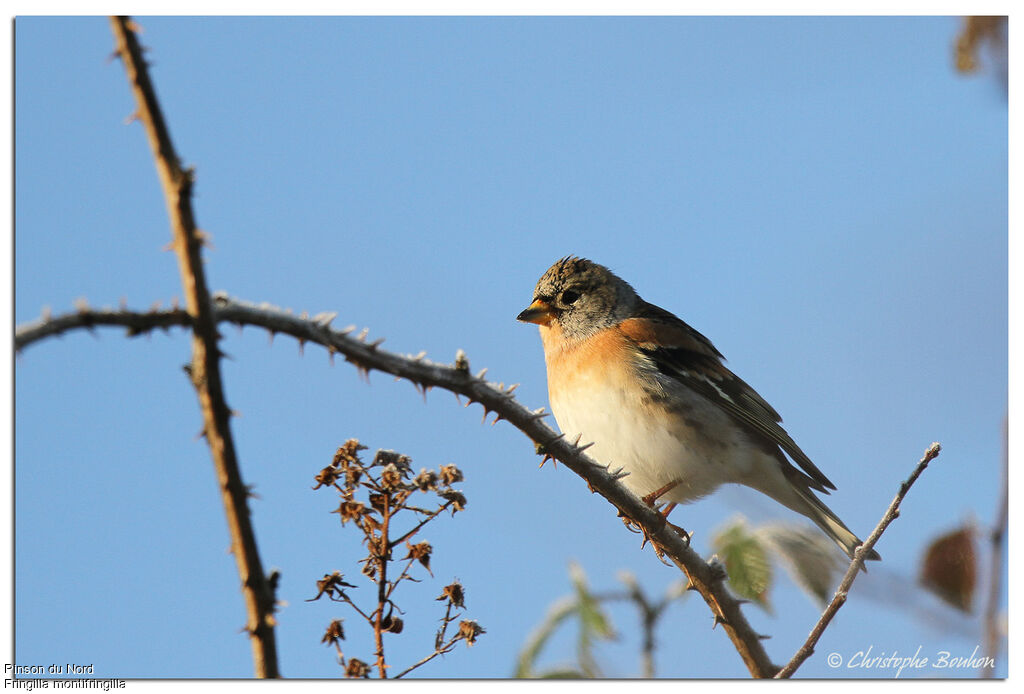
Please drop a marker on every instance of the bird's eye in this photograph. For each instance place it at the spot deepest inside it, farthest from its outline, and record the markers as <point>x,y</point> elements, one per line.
<point>569,296</point>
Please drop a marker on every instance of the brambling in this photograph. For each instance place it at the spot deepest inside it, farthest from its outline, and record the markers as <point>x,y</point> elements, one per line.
<point>653,396</point>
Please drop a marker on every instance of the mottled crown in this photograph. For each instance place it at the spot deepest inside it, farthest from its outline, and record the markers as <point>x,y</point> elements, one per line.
<point>585,297</point>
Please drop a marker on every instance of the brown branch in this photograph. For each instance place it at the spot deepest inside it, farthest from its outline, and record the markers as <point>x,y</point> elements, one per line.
<point>136,323</point>
<point>703,577</point>
<point>997,537</point>
<point>205,372</point>
<point>856,564</point>
<point>383,552</point>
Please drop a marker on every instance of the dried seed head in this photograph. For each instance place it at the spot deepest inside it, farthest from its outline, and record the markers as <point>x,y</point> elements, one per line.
<point>348,453</point>
<point>454,594</point>
<point>457,499</point>
<point>334,634</point>
<point>378,501</point>
<point>390,477</point>
<point>327,477</point>
<point>384,458</point>
<point>357,669</point>
<point>426,480</point>
<point>351,511</point>
<point>420,551</point>
<point>331,585</point>
<point>352,476</point>
<point>450,474</point>
<point>392,624</point>
<point>469,630</point>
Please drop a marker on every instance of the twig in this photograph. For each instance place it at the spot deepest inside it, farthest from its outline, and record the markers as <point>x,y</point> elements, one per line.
<point>416,529</point>
<point>205,372</point>
<point>703,577</point>
<point>442,650</point>
<point>993,631</point>
<point>843,590</point>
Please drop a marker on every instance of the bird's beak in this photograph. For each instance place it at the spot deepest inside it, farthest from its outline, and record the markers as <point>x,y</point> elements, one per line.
<point>539,312</point>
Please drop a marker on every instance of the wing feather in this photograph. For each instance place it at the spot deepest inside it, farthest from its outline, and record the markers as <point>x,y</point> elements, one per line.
<point>683,353</point>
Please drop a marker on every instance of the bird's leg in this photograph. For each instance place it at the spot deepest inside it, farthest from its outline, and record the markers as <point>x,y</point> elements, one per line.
<point>658,493</point>
<point>653,497</point>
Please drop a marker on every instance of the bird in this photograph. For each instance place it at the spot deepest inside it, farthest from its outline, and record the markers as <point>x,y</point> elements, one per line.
<point>655,399</point>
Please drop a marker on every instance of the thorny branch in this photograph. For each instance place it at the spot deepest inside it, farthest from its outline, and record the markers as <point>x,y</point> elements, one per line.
<point>707,579</point>
<point>891,514</point>
<point>205,369</point>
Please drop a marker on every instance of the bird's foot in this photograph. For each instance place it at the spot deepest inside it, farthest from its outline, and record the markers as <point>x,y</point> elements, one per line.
<point>658,493</point>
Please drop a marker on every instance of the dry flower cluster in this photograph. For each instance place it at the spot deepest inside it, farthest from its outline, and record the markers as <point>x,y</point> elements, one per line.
<point>372,495</point>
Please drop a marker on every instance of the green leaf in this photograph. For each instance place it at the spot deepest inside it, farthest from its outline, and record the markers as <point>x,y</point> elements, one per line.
<point>809,557</point>
<point>594,624</point>
<point>558,613</point>
<point>746,562</point>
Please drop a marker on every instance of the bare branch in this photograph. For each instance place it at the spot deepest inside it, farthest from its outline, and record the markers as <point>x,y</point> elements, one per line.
<point>997,538</point>
<point>187,243</point>
<point>704,578</point>
<point>856,564</point>
<point>136,323</point>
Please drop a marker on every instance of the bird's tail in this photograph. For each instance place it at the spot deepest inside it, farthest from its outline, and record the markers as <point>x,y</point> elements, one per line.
<point>829,522</point>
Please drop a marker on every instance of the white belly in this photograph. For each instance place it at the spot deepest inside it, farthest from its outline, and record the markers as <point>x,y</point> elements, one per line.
<point>698,445</point>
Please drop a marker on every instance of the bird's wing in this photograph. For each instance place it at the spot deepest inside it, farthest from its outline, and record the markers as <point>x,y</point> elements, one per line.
<point>684,354</point>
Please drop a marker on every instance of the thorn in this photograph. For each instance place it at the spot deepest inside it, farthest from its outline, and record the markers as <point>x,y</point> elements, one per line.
<point>324,319</point>
<point>763,637</point>
<point>81,304</point>
<point>483,372</point>
<point>47,314</point>
<point>376,343</point>
<point>690,585</point>
<point>584,446</point>
<point>302,347</point>
<point>362,334</point>
<point>497,418</point>
<point>719,619</point>
<point>169,246</point>
<point>347,329</point>
<point>511,389</point>
<point>122,303</point>
<point>271,334</point>
<point>419,357</point>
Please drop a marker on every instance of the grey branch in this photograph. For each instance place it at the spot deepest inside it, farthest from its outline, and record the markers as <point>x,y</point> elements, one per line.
<point>856,564</point>
<point>456,378</point>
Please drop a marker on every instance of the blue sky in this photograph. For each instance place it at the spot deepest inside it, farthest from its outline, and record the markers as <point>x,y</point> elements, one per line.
<point>825,198</point>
